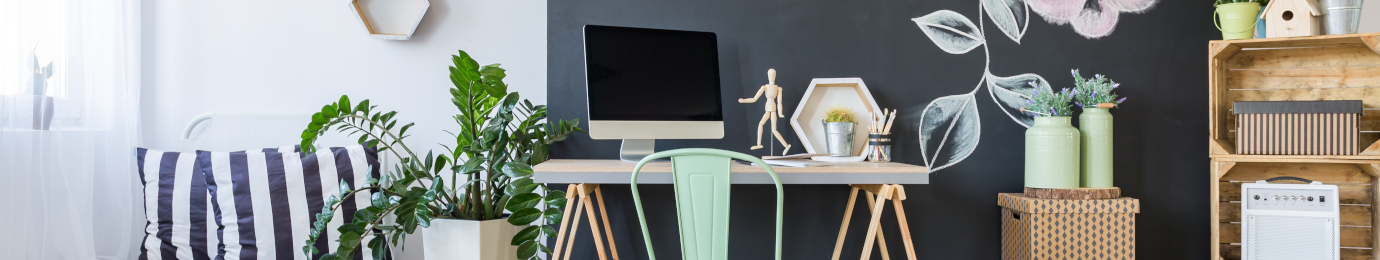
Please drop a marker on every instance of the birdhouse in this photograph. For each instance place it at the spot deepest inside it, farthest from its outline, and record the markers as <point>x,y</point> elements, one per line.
<point>1292,18</point>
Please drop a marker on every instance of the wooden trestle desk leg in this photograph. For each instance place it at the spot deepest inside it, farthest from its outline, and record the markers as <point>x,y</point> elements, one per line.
<point>896,194</point>
<point>577,197</point>
<point>599,196</point>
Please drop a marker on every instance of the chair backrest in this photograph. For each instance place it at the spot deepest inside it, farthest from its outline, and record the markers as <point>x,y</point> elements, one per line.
<point>701,180</point>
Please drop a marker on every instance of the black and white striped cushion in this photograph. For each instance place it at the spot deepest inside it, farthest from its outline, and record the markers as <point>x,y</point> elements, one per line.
<point>176,204</point>
<point>265,202</point>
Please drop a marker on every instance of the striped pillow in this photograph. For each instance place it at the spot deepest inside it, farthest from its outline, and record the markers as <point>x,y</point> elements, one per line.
<point>175,206</point>
<point>265,202</point>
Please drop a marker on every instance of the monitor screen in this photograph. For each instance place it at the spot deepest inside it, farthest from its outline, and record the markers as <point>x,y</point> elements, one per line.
<point>636,74</point>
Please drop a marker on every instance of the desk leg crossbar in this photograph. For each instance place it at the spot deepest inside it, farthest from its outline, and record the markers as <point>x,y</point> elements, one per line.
<point>883,192</point>
<point>577,197</point>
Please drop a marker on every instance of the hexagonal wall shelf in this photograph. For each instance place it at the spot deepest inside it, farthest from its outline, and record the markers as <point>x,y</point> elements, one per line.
<point>809,114</point>
<point>390,19</point>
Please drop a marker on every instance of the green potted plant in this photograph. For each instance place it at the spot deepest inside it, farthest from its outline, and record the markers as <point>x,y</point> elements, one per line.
<point>465,190</point>
<point>1237,18</point>
<point>839,124</point>
<point>1051,144</point>
<point>1094,95</point>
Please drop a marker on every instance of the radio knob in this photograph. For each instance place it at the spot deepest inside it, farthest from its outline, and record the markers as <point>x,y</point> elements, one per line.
<point>1310,198</point>
<point>1257,197</point>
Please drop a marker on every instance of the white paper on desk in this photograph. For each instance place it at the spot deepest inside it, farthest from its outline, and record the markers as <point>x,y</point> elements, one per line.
<point>794,156</point>
<point>795,163</point>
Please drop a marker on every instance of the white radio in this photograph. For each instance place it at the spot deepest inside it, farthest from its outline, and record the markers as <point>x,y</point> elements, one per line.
<point>1289,221</point>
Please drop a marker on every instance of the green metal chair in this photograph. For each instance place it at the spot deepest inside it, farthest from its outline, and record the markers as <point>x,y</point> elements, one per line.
<point>701,178</point>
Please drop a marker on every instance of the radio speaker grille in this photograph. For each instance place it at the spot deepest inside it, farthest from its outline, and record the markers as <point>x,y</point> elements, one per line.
<point>1290,237</point>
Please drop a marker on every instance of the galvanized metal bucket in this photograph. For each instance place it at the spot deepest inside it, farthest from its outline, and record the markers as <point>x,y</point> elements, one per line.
<point>1341,16</point>
<point>838,138</point>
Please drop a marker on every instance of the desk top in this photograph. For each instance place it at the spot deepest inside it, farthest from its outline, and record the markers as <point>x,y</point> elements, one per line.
<point>620,172</point>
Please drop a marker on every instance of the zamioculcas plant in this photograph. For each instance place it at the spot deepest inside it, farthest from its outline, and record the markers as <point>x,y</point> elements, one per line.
<point>488,167</point>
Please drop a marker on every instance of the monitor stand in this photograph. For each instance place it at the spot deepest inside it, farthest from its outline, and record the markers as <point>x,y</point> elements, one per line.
<point>635,149</point>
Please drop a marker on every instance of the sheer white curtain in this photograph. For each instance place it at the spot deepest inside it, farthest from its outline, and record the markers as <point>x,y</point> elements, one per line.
<point>70,191</point>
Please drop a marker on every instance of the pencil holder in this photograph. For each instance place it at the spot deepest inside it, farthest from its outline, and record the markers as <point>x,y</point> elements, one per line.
<point>881,148</point>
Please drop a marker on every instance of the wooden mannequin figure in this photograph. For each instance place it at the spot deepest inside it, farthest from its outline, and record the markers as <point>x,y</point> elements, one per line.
<point>774,110</point>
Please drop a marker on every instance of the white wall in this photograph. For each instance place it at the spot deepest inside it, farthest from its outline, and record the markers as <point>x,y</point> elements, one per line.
<point>296,56</point>
<point>1370,17</point>
<point>257,56</point>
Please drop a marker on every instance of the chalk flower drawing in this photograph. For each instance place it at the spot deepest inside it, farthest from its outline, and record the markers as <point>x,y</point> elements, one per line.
<point>949,125</point>
<point>1090,18</point>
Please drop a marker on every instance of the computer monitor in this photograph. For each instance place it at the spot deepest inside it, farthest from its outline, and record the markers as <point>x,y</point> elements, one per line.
<point>647,84</point>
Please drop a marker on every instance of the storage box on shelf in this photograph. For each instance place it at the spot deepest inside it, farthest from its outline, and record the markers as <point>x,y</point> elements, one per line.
<point>1333,67</point>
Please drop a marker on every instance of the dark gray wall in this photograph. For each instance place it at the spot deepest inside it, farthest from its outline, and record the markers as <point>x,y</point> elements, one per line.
<point>1161,158</point>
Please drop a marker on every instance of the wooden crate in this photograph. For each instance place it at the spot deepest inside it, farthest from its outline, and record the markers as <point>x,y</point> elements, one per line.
<point>1357,184</point>
<point>1333,67</point>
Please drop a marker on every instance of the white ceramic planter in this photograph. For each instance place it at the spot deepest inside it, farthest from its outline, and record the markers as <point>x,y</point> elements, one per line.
<point>458,239</point>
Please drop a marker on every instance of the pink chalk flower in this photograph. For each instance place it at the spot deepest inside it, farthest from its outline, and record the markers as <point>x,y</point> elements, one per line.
<point>1090,18</point>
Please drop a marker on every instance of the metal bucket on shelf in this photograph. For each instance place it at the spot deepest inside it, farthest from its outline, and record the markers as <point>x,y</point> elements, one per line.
<point>1341,16</point>
<point>838,138</point>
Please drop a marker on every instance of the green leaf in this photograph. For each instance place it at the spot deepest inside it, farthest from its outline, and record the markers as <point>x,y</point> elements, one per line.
<point>328,111</point>
<point>517,169</point>
<point>472,166</point>
<point>527,250</point>
<point>467,68</point>
<point>549,230</point>
<point>524,216</point>
<point>344,188</point>
<point>344,104</point>
<point>328,257</point>
<point>378,246</point>
<point>522,201</point>
<point>526,234</point>
<point>351,227</point>
<point>492,76</point>
<point>520,186</point>
<point>348,242</point>
<point>363,107</point>
<point>556,199</point>
<point>553,216</point>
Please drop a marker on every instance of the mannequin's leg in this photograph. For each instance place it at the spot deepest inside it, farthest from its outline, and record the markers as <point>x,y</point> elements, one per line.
<point>765,117</point>
<point>787,149</point>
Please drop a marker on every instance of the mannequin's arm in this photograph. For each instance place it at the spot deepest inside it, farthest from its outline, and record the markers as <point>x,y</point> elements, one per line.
<point>754,97</point>
<point>779,112</point>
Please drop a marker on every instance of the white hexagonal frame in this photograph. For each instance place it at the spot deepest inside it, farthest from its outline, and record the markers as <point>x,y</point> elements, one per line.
<point>390,19</point>
<point>823,93</point>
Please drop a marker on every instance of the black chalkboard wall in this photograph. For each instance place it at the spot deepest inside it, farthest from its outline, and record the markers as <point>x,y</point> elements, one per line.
<point>1158,54</point>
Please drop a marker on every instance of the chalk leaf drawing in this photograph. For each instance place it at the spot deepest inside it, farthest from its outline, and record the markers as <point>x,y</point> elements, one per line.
<point>1011,16</point>
<point>951,31</point>
<point>1015,92</point>
<point>956,117</point>
<point>949,125</point>
<point>1090,18</point>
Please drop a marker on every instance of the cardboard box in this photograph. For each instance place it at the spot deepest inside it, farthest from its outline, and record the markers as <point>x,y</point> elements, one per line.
<point>1034,228</point>
<point>1297,127</point>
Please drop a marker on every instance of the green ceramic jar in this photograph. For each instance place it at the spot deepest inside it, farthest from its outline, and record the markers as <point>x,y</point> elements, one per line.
<point>1051,153</point>
<point>1095,124</point>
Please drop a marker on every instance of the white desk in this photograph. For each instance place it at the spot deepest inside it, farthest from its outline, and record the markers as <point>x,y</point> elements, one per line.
<point>620,172</point>
<point>878,181</point>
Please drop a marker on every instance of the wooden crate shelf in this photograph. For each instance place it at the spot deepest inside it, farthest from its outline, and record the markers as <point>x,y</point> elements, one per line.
<point>1358,183</point>
<point>1332,67</point>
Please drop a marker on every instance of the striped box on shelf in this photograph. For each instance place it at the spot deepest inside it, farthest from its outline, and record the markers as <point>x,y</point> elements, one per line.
<point>1297,127</point>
